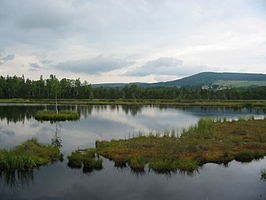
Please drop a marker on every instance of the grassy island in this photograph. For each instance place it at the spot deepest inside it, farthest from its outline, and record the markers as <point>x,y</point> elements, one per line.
<point>208,141</point>
<point>28,155</point>
<point>50,115</point>
<point>86,158</point>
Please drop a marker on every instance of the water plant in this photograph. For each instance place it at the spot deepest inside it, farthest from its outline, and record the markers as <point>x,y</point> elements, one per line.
<point>137,164</point>
<point>86,158</point>
<point>50,115</point>
<point>28,155</point>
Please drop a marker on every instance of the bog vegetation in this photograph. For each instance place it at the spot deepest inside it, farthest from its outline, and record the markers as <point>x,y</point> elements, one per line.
<point>209,141</point>
<point>28,155</point>
<point>86,158</point>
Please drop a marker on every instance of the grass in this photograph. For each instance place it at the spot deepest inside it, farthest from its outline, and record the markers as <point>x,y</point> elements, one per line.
<point>50,115</point>
<point>176,102</point>
<point>241,83</point>
<point>86,158</point>
<point>28,155</point>
<point>137,164</point>
<point>219,141</point>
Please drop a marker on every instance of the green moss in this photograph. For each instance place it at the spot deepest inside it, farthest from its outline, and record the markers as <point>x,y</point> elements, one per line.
<point>49,115</point>
<point>163,165</point>
<point>86,158</point>
<point>28,155</point>
<point>187,164</point>
<point>248,155</point>
<point>75,160</point>
<point>137,164</point>
<point>170,164</point>
<point>121,163</point>
<point>92,164</point>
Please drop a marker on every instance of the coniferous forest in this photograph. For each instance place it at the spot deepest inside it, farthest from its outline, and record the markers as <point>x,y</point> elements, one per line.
<point>19,87</point>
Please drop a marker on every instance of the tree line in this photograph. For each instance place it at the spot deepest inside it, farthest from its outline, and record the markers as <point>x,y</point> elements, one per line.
<point>52,87</point>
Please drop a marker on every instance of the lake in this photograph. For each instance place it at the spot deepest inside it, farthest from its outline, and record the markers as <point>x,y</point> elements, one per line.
<point>102,122</point>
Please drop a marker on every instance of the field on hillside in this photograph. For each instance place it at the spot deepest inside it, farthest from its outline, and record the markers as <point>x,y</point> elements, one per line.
<point>235,84</point>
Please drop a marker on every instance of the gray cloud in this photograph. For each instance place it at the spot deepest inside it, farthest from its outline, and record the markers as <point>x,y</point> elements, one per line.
<point>7,58</point>
<point>164,66</point>
<point>215,33</point>
<point>34,66</point>
<point>44,19</point>
<point>95,65</point>
<point>45,61</point>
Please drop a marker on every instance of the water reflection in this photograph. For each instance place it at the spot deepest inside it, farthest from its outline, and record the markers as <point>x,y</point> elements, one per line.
<point>56,140</point>
<point>102,122</point>
<point>17,179</point>
<point>21,112</point>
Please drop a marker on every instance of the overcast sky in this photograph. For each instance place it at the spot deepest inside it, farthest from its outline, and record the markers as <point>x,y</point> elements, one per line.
<point>131,40</point>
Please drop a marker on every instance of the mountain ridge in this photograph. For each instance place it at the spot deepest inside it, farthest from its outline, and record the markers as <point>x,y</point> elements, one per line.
<point>203,78</point>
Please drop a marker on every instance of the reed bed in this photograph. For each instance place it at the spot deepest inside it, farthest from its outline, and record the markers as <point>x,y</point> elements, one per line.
<point>28,155</point>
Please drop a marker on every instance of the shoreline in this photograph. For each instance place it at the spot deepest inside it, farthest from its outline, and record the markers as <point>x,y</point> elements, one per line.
<point>170,102</point>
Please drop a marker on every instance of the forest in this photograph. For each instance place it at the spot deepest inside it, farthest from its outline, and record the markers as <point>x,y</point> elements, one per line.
<point>52,87</point>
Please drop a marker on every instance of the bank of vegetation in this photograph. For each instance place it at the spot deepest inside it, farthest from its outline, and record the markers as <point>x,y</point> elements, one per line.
<point>28,155</point>
<point>209,141</point>
<point>86,159</point>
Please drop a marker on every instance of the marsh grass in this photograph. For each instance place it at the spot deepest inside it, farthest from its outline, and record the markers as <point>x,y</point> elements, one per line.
<point>137,164</point>
<point>28,155</point>
<point>50,115</point>
<point>86,158</point>
<point>208,141</point>
<point>203,129</point>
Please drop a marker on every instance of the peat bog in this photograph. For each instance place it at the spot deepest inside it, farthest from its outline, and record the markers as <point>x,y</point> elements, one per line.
<point>207,142</point>
<point>155,158</point>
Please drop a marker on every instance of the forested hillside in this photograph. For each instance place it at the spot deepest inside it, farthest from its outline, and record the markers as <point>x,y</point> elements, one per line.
<point>19,87</point>
<point>206,78</point>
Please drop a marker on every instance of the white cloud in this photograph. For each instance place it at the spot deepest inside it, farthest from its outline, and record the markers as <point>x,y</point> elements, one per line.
<point>164,66</point>
<point>70,34</point>
<point>94,65</point>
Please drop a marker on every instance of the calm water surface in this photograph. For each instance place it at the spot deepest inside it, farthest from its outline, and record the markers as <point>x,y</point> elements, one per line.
<point>57,181</point>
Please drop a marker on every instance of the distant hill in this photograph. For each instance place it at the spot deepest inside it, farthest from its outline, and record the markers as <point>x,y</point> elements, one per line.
<point>205,78</point>
<point>112,85</point>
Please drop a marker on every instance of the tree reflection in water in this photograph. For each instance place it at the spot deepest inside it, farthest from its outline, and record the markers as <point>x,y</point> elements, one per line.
<point>17,179</point>
<point>56,140</point>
